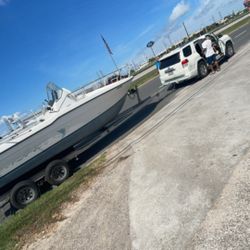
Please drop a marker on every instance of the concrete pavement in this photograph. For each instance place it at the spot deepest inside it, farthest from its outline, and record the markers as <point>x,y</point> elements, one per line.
<point>226,225</point>
<point>181,180</point>
<point>183,173</point>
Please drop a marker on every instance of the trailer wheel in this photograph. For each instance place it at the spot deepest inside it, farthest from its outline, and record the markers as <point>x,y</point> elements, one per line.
<point>57,172</point>
<point>23,193</point>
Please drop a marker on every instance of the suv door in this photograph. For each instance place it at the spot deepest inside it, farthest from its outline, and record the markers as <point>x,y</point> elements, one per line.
<point>215,39</point>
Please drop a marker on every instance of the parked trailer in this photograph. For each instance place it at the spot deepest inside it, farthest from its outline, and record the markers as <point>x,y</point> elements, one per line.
<point>26,188</point>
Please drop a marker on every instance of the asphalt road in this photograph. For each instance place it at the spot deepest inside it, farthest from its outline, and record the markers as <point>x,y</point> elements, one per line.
<point>241,36</point>
<point>138,108</point>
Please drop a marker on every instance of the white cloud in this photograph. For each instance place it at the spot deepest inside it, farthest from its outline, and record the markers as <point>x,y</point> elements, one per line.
<point>144,32</point>
<point>208,10</point>
<point>205,7</point>
<point>125,48</point>
<point>179,10</point>
<point>211,7</point>
<point>202,14</point>
<point>4,2</point>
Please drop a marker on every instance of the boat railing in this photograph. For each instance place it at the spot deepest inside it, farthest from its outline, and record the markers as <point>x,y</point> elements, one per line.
<point>102,81</point>
<point>14,125</point>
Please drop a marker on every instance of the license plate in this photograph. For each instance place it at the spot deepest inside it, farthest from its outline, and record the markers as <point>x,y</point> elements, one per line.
<point>170,73</point>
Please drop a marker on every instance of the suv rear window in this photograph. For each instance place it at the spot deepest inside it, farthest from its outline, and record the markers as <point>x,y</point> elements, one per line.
<point>169,61</point>
<point>187,51</point>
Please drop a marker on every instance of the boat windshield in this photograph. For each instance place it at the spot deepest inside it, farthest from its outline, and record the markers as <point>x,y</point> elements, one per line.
<point>54,93</point>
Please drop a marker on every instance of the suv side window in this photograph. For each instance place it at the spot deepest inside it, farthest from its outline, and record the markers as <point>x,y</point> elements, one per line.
<point>198,48</point>
<point>187,51</point>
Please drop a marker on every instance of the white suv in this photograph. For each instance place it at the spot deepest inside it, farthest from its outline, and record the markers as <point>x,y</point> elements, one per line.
<point>189,61</point>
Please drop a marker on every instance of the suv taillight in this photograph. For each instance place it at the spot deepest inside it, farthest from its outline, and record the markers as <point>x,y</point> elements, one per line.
<point>184,62</point>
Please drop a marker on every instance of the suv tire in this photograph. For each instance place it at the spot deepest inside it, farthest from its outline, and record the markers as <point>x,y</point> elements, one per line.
<point>229,49</point>
<point>202,69</point>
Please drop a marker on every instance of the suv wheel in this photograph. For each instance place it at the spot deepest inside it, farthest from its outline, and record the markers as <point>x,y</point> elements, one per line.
<point>229,49</point>
<point>202,69</point>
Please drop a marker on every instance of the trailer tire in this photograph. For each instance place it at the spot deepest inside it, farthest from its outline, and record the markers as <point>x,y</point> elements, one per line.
<point>23,193</point>
<point>57,172</point>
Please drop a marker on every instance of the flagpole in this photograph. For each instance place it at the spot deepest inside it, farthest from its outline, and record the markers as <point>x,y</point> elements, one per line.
<point>112,58</point>
<point>110,52</point>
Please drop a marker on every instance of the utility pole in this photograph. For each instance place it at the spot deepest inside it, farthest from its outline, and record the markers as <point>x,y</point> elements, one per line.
<point>170,41</point>
<point>186,30</point>
<point>98,75</point>
<point>220,15</point>
<point>164,45</point>
<point>146,58</point>
<point>202,26</point>
<point>213,19</point>
<point>153,51</point>
<point>134,65</point>
<point>101,73</point>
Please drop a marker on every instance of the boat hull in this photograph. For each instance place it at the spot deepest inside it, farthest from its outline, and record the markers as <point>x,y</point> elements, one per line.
<point>64,133</point>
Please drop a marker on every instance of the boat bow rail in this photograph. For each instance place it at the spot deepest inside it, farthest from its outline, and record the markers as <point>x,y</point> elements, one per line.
<point>20,123</point>
<point>103,81</point>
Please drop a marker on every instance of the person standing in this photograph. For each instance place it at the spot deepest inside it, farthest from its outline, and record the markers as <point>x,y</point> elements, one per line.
<point>210,54</point>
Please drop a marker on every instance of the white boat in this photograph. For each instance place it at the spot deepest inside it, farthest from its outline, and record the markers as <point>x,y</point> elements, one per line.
<point>67,118</point>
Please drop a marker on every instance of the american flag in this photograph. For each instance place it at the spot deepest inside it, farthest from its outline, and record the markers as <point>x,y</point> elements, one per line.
<point>107,46</point>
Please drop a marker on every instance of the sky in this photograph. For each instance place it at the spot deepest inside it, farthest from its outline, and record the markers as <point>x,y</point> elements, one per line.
<point>59,40</point>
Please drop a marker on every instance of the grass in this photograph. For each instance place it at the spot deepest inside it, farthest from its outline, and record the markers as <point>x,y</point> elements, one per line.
<point>46,210</point>
<point>147,77</point>
<point>145,68</point>
<point>236,26</point>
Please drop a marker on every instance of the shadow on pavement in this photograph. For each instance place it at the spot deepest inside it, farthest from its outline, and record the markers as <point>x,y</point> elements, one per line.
<point>121,131</point>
